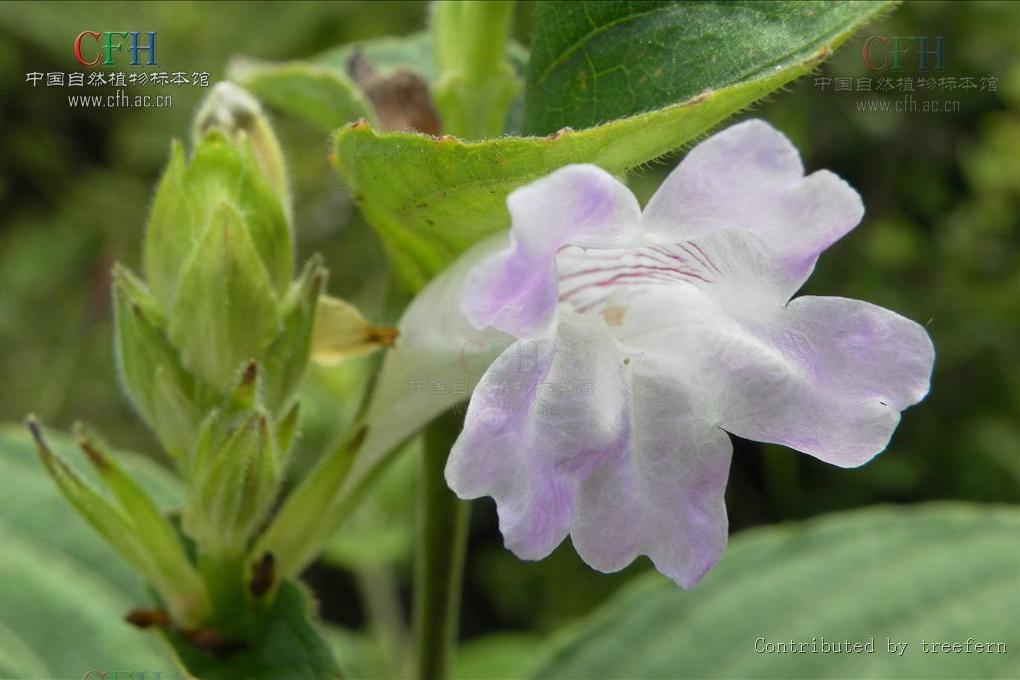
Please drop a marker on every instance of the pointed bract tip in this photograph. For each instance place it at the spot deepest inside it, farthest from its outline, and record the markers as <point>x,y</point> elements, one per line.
<point>87,443</point>
<point>32,423</point>
<point>94,455</point>
<point>251,373</point>
<point>382,335</point>
<point>41,447</point>
<point>147,618</point>
<point>263,575</point>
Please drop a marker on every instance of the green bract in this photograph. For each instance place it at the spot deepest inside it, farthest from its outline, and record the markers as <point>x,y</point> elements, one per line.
<point>219,290</point>
<point>211,349</point>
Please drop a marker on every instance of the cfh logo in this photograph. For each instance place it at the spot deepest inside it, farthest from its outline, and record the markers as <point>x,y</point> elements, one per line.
<point>92,47</point>
<point>884,53</point>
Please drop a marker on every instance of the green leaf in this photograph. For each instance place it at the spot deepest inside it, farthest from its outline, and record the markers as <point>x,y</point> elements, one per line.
<point>389,54</point>
<point>430,199</point>
<point>939,572</point>
<point>359,654</point>
<point>495,657</point>
<point>597,61</point>
<point>322,91</point>
<point>414,53</point>
<point>64,591</point>
<point>286,645</point>
<point>325,97</point>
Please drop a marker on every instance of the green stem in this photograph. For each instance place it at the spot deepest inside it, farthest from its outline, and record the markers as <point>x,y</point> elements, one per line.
<point>381,598</point>
<point>476,84</point>
<point>485,51</point>
<point>224,576</point>
<point>442,539</point>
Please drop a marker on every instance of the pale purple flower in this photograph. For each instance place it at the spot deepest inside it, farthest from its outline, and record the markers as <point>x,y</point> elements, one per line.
<point>643,337</point>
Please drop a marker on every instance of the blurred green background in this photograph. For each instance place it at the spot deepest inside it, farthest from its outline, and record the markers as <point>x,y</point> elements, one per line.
<point>939,244</point>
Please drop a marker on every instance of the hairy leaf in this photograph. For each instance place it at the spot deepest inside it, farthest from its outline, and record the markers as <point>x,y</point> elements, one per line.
<point>326,97</point>
<point>938,573</point>
<point>598,61</point>
<point>285,646</point>
<point>64,591</point>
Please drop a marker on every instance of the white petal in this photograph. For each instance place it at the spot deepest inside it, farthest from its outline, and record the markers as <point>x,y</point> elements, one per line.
<point>542,418</point>
<point>665,498</point>
<point>437,360</point>
<point>826,376</point>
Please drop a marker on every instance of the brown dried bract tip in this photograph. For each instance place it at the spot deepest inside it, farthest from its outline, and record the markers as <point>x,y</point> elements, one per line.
<point>33,426</point>
<point>213,642</point>
<point>263,575</point>
<point>97,458</point>
<point>40,442</point>
<point>561,132</point>
<point>251,372</point>
<point>359,124</point>
<point>382,335</point>
<point>147,618</point>
<point>53,463</point>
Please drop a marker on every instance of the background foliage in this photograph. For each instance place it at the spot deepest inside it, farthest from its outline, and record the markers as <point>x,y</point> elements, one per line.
<point>939,244</point>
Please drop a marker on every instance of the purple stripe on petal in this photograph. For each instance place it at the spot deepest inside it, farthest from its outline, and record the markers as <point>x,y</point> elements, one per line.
<point>516,290</point>
<point>749,177</point>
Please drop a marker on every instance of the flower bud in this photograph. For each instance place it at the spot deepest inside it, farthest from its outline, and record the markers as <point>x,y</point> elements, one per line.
<point>235,478</point>
<point>235,112</point>
<point>221,171</point>
<point>225,311</point>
